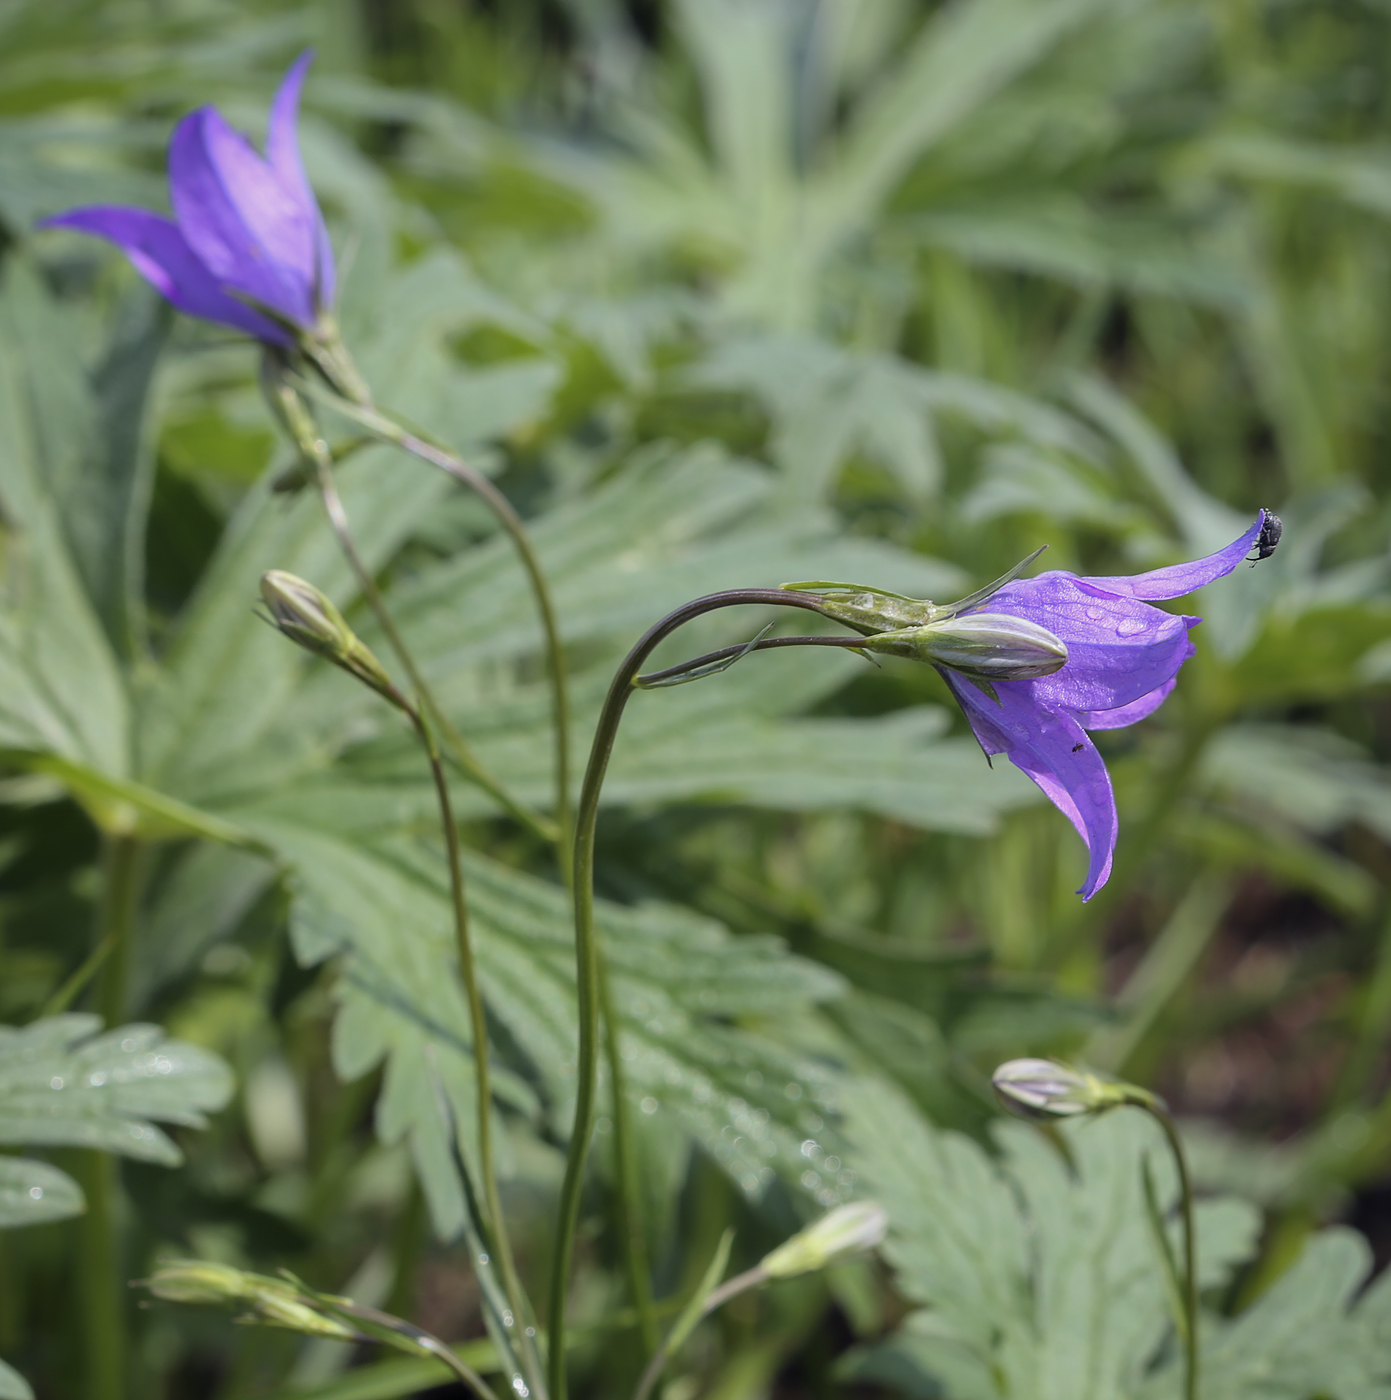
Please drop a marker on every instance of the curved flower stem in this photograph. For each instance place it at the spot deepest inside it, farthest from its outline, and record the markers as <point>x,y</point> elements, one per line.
<point>468,971</point>
<point>459,747</point>
<point>1156,1109</point>
<point>588,959</point>
<point>632,1231</point>
<point>682,670</point>
<point>382,426</point>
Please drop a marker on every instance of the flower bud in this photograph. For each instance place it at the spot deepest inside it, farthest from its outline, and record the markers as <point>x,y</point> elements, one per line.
<point>983,646</point>
<point>868,610</point>
<point>1043,1089</point>
<point>197,1281</point>
<point>846,1230</point>
<point>273,1302</point>
<point>307,618</point>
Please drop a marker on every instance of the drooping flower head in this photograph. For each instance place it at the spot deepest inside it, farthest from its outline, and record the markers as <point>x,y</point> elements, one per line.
<point>1105,659</point>
<point>247,245</point>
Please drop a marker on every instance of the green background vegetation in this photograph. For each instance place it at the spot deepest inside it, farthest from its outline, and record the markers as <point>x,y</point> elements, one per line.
<point>722,293</point>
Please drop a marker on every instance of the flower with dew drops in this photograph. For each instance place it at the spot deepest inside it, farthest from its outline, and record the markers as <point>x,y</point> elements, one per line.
<point>1122,658</point>
<point>247,246</point>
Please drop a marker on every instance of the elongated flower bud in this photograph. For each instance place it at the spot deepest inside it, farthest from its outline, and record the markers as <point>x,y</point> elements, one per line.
<point>1044,1089</point>
<point>271,1301</point>
<point>867,610</point>
<point>308,619</point>
<point>846,1230</point>
<point>984,646</point>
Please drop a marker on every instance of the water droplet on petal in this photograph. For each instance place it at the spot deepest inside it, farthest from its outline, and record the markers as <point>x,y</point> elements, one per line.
<point>1130,627</point>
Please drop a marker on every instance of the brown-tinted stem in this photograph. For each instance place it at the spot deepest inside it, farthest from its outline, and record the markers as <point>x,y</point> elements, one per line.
<point>587,951</point>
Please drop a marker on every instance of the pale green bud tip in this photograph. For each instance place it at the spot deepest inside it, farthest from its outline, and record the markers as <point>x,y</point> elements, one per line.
<point>1045,1089</point>
<point>846,1230</point>
<point>271,1301</point>
<point>984,646</point>
<point>310,620</point>
<point>195,1281</point>
<point>868,610</point>
<point>305,615</point>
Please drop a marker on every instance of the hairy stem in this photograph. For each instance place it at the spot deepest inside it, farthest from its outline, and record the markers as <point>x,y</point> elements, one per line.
<point>587,951</point>
<point>101,1288</point>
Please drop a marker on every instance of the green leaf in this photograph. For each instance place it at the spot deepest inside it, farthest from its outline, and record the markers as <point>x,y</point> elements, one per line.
<point>1032,1273</point>
<point>63,1082</point>
<point>33,1193</point>
<point>13,1386</point>
<point>700,1052</point>
<point>61,691</point>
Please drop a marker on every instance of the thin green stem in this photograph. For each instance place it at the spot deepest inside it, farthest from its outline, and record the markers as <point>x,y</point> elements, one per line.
<point>588,959</point>
<point>1161,1115</point>
<point>651,680</point>
<point>389,430</point>
<point>101,1288</point>
<point>418,1339</point>
<point>632,1233</point>
<point>459,748</point>
<point>730,1288</point>
<point>499,1240</point>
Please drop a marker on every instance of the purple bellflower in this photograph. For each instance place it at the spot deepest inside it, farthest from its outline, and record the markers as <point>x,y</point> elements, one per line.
<point>247,245</point>
<point>1121,658</point>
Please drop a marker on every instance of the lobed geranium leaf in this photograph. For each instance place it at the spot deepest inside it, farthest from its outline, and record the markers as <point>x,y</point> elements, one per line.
<point>1038,1275</point>
<point>65,1082</point>
<point>700,1051</point>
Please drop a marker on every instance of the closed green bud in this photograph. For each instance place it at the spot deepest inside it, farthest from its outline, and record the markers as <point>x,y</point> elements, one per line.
<point>846,1230</point>
<point>197,1281</point>
<point>271,1301</point>
<point>871,611</point>
<point>1043,1089</point>
<point>983,646</point>
<point>867,610</point>
<point>308,619</point>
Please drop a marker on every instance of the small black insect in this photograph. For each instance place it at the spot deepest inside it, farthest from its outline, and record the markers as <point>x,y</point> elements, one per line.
<point>1077,748</point>
<point>1268,538</point>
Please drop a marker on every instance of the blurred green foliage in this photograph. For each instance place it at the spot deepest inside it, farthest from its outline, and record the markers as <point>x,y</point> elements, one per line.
<point>722,293</point>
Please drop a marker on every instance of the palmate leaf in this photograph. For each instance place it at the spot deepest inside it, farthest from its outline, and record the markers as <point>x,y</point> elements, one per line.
<point>63,1083</point>
<point>66,1083</point>
<point>61,691</point>
<point>1041,1280</point>
<point>827,403</point>
<point>694,1050</point>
